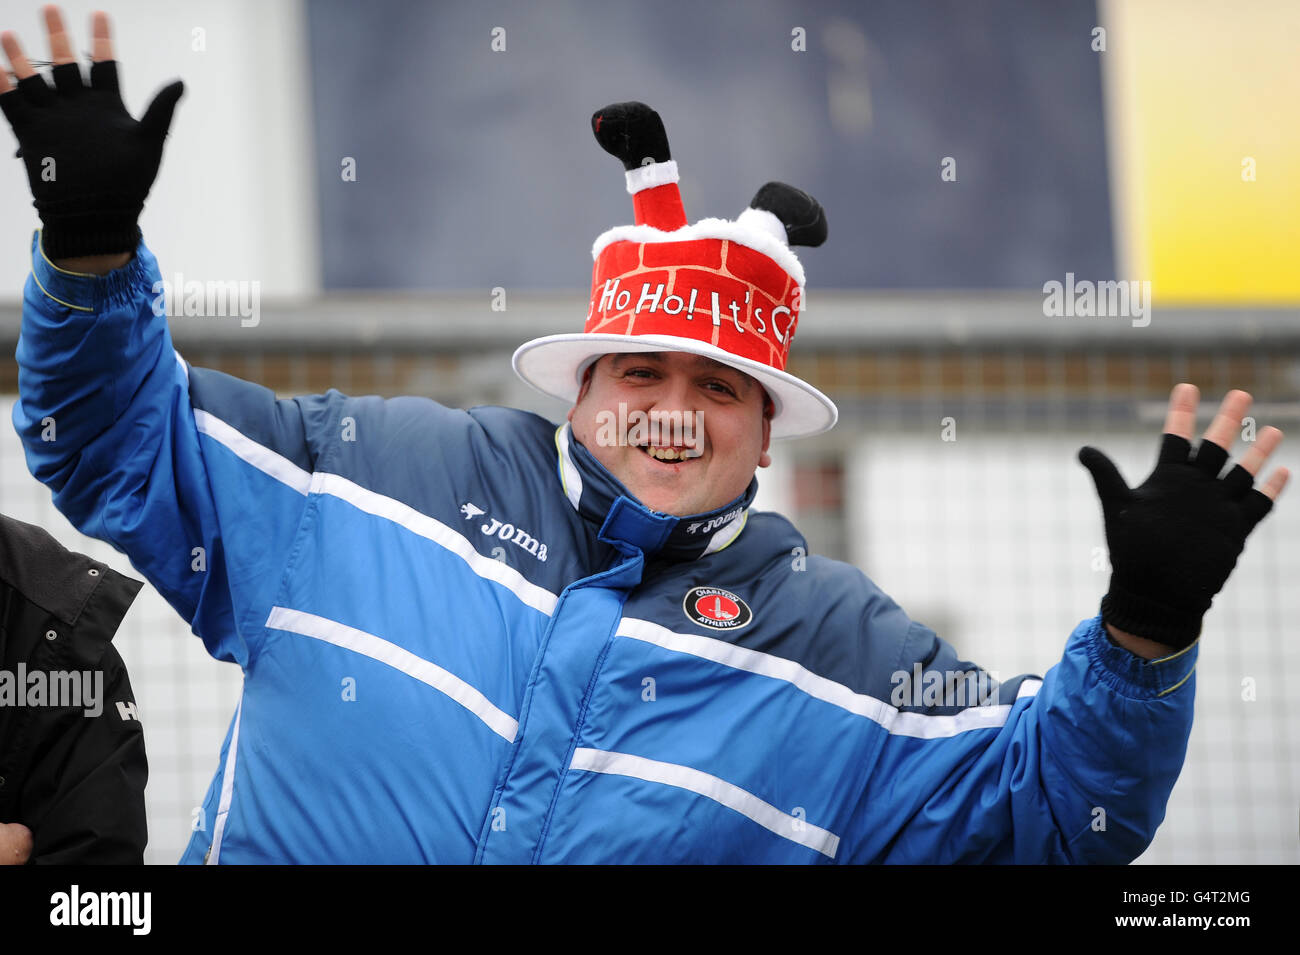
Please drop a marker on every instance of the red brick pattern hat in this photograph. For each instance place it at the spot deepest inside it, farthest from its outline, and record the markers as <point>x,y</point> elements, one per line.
<point>728,290</point>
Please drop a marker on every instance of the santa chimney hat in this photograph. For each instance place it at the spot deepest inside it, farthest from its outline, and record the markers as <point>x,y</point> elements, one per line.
<point>727,290</point>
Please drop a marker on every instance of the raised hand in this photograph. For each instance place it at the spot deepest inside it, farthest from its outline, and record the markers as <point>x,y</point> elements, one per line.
<point>89,164</point>
<point>1175,538</point>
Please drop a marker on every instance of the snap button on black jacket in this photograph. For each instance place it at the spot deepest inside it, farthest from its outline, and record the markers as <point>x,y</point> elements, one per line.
<point>72,758</point>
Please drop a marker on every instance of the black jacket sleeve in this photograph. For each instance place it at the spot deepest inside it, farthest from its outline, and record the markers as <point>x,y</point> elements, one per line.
<point>72,762</point>
<point>85,788</point>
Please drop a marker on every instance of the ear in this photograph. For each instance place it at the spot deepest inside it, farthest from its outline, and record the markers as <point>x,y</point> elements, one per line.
<point>582,389</point>
<point>586,380</point>
<point>765,459</point>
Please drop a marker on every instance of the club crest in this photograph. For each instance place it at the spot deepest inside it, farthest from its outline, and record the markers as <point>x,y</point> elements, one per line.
<point>716,609</point>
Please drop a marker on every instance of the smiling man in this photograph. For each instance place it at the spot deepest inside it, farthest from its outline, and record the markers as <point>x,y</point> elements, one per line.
<point>480,636</point>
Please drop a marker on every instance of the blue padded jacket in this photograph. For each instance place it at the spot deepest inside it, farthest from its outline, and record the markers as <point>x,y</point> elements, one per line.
<point>463,641</point>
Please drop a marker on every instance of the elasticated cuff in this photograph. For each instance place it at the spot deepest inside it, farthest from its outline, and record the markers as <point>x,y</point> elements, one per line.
<point>1135,677</point>
<point>83,291</point>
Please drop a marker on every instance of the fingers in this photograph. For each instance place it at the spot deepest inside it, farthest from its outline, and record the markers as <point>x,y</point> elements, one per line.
<point>60,44</point>
<point>103,48</point>
<point>1181,417</point>
<point>1223,431</point>
<point>22,67</point>
<point>61,51</point>
<point>1225,427</point>
<point>1265,444</point>
<point>1276,481</point>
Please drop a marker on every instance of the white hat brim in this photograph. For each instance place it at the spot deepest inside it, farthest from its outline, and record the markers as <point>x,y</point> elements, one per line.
<point>554,366</point>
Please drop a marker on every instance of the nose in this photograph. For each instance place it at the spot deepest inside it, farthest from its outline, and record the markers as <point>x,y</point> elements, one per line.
<point>674,415</point>
<point>673,394</point>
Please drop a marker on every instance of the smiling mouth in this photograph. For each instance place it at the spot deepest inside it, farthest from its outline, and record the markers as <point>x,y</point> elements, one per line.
<point>669,455</point>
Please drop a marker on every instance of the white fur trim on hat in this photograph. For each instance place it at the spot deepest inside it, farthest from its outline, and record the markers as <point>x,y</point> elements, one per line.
<point>762,219</point>
<point>650,175</point>
<point>744,231</point>
<point>554,366</point>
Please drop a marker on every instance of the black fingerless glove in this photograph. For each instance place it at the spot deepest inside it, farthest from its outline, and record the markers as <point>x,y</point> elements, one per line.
<point>90,165</point>
<point>1175,539</point>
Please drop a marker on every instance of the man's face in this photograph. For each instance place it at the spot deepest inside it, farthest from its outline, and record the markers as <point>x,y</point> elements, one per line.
<point>723,427</point>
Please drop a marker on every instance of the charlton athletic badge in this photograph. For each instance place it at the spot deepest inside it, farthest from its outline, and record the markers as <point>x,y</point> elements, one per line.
<point>716,609</point>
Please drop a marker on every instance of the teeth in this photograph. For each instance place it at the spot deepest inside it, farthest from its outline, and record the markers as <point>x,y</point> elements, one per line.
<point>666,454</point>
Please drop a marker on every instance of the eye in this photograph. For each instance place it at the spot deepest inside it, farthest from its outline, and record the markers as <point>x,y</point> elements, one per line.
<point>721,387</point>
<point>638,372</point>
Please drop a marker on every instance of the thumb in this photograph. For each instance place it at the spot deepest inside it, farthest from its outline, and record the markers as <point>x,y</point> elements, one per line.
<point>158,117</point>
<point>1106,477</point>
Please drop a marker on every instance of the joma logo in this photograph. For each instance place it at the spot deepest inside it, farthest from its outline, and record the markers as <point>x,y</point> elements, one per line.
<point>712,524</point>
<point>516,535</point>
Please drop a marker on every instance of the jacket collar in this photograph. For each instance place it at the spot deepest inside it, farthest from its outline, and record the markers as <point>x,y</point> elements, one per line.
<point>57,580</point>
<point>629,525</point>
